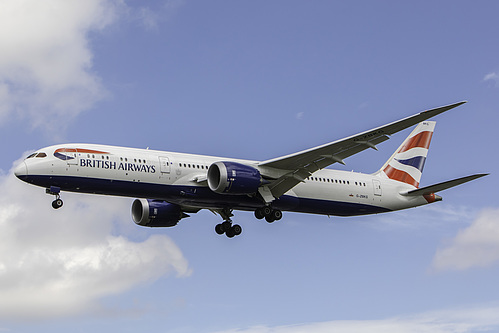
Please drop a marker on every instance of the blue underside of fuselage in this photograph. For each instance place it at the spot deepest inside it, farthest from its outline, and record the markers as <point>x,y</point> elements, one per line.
<point>198,196</point>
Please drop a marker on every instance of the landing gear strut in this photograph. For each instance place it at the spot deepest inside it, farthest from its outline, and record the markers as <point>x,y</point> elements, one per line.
<point>268,213</point>
<point>226,227</point>
<point>53,190</point>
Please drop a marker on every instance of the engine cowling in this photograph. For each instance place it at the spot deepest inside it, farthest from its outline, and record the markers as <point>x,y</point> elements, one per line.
<point>156,213</point>
<point>233,178</point>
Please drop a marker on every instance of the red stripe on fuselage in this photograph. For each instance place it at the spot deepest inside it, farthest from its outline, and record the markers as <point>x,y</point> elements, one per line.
<point>79,150</point>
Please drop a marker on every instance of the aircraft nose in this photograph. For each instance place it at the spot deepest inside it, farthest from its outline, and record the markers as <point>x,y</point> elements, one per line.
<point>21,171</point>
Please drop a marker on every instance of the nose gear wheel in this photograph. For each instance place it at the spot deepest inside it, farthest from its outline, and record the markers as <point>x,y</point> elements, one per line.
<point>53,190</point>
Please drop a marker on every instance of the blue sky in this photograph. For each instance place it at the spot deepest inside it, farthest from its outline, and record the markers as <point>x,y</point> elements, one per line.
<point>252,80</point>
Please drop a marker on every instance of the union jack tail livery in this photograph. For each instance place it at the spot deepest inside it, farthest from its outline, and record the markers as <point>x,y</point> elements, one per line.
<point>406,164</point>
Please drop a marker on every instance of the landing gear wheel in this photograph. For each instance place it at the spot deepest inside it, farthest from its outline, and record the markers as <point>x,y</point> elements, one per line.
<point>57,203</point>
<point>230,233</point>
<point>269,218</point>
<point>259,213</point>
<point>219,229</point>
<point>276,214</point>
<point>226,226</point>
<point>236,228</point>
<point>267,211</point>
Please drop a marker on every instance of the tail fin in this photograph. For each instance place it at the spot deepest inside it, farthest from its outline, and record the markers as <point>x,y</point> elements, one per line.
<point>406,164</point>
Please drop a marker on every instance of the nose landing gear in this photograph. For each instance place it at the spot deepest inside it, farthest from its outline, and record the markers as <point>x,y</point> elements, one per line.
<point>54,190</point>
<point>57,203</point>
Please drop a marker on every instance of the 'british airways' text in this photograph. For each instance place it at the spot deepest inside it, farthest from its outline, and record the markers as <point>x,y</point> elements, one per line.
<point>117,166</point>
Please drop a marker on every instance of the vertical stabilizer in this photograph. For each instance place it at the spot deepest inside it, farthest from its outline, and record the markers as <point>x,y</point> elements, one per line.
<point>406,164</point>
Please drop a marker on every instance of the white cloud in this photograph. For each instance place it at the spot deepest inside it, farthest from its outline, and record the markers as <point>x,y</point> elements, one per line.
<point>491,76</point>
<point>451,321</point>
<point>46,63</point>
<point>150,18</point>
<point>475,246</point>
<point>59,263</point>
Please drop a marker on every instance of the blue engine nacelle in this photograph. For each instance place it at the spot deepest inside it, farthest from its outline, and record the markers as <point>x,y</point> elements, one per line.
<point>156,213</point>
<point>233,178</point>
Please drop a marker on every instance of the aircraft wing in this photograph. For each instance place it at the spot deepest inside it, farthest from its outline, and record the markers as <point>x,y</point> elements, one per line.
<point>302,164</point>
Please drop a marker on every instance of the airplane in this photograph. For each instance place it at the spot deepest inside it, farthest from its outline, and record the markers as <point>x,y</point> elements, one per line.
<point>171,185</point>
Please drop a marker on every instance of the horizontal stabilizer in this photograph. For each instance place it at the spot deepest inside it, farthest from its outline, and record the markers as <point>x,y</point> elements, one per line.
<point>443,186</point>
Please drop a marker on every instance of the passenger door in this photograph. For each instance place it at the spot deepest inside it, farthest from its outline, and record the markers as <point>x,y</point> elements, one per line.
<point>164,164</point>
<point>377,187</point>
<point>71,156</point>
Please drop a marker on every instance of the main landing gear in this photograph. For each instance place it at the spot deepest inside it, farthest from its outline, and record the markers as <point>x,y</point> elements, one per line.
<point>268,213</point>
<point>53,190</point>
<point>226,227</point>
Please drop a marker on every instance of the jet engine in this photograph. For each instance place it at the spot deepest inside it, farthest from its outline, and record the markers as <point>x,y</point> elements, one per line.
<point>233,178</point>
<point>156,213</point>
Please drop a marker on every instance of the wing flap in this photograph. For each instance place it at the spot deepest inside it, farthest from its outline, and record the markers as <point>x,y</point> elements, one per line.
<point>293,178</point>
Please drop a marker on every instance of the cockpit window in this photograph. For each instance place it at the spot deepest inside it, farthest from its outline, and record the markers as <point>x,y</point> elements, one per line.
<point>39,155</point>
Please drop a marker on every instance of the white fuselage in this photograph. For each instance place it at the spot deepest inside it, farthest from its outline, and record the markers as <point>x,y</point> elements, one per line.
<point>181,179</point>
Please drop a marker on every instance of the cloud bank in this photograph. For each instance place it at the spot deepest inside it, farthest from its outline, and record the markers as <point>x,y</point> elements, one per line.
<point>60,263</point>
<point>452,321</point>
<point>475,246</point>
<point>46,64</point>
